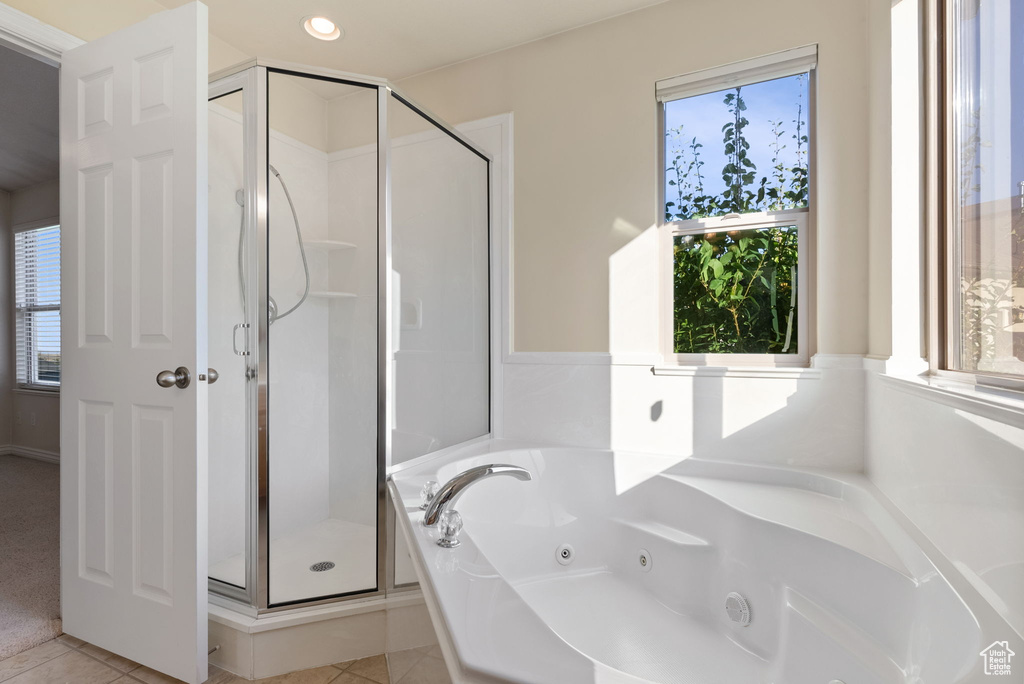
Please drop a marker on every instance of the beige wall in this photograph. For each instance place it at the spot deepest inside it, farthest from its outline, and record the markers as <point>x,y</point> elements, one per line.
<point>297,112</point>
<point>585,145</point>
<point>880,204</point>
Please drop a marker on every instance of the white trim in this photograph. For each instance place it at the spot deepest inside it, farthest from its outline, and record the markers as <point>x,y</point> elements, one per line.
<point>819,363</point>
<point>736,74</point>
<point>838,361</point>
<point>560,358</point>
<point>352,152</point>
<point>960,396</point>
<point>658,366</point>
<point>584,358</point>
<point>48,222</point>
<point>29,36</point>
<point>30,452</point>
<point>768,372</point>
<point>949,389</point>
<point>500,252</point>
<point>223,614</point>
<point>890,365</point>
<point>38,391</point>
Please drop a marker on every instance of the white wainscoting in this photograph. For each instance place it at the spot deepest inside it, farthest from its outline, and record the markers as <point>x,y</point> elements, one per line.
<point>810,418</point>
<point>954,466</point>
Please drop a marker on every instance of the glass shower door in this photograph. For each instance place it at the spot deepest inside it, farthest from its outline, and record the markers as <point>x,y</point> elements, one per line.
<point>229,330</point>
<point>321,338</point>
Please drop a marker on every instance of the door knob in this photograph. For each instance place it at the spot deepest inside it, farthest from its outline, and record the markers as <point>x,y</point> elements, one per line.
<point>212,375</point>
<point>179,376</point>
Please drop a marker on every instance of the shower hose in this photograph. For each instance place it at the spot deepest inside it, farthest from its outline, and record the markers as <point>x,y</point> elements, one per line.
<point>274,316</point>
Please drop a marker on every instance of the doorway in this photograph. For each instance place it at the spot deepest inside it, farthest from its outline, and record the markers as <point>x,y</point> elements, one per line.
<point>30,367</point>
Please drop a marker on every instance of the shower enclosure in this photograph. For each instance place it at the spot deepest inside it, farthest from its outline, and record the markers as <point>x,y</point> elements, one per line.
<point>349,324</point>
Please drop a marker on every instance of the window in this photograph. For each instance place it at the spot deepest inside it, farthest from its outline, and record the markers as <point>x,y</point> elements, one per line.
<point>984,188</point>
<point>37,307</point>
<point>735,200</point>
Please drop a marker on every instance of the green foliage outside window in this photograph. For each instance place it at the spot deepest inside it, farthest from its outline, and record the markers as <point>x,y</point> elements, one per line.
<point>735,291</point>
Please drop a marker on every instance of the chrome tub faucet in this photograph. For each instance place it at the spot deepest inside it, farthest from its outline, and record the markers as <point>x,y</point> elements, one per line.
<point>443,503</point>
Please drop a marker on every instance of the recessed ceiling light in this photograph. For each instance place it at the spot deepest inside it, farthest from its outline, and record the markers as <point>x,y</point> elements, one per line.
<point>322,28</point>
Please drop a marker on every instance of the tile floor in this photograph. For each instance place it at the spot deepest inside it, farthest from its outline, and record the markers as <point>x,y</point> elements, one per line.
<point>67,660</point>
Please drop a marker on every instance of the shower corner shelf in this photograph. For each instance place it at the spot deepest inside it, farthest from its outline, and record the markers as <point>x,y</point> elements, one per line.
<point>330,294</point>
<point>328,245</point>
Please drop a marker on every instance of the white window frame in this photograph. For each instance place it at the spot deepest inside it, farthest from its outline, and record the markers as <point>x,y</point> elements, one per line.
<point>32,366</point>
<point>768,67</point>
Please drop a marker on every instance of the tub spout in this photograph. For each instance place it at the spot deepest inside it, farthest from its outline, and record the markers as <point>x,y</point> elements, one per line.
<point>449,493</point>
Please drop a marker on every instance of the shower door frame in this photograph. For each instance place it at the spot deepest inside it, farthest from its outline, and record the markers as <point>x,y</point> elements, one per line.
<point>251,77</point>
<point>254,187</point>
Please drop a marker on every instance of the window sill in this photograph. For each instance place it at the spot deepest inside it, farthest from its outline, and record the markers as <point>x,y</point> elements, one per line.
<point>37,391</point>
<point>960,396</point>
<point>775,372</point>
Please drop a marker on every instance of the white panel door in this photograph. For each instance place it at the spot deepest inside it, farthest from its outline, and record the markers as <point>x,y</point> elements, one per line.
<point>133,453</point>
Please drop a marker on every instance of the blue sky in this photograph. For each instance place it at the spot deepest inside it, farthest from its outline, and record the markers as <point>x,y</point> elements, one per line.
<point>704,115</point>
<point>992,59</point>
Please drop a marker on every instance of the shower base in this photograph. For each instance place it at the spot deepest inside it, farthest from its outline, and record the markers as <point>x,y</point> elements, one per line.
<point>350,546</point>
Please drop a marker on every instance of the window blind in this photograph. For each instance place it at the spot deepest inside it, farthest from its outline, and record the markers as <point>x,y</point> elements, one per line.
<point>37,307</point>
<point>776,65</point>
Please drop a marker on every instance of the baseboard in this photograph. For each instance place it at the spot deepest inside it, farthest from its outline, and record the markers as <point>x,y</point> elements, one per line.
<point>29,452</point>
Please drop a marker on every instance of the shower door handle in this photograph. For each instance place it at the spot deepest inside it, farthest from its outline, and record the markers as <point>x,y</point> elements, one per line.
<point>234,339</point>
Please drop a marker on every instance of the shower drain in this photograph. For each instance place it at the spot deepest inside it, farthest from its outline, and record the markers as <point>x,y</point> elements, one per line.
<point>321,566</point>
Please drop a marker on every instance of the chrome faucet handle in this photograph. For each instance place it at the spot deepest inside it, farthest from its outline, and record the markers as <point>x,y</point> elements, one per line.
<point>451,490</point>
<point>428,493</point>
<point>449,524</point>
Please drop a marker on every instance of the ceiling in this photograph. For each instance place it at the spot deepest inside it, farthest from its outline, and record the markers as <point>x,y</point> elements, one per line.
<point>29,142</point>
<point>398,38</point>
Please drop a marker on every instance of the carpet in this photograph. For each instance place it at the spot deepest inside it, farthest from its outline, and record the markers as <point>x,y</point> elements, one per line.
<point>29,554</point>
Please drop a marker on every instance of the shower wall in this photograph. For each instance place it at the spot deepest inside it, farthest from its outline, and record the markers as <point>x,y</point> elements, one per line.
<point>298,415</point>
<point>353,406</point>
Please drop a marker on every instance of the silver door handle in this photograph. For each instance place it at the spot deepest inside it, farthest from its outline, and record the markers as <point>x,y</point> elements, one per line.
<point>234,337</point>
<point>212,375</point>
<point>179,376</point>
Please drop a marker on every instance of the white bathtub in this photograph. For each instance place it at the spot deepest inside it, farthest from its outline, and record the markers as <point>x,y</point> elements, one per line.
<point>836,588</point>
